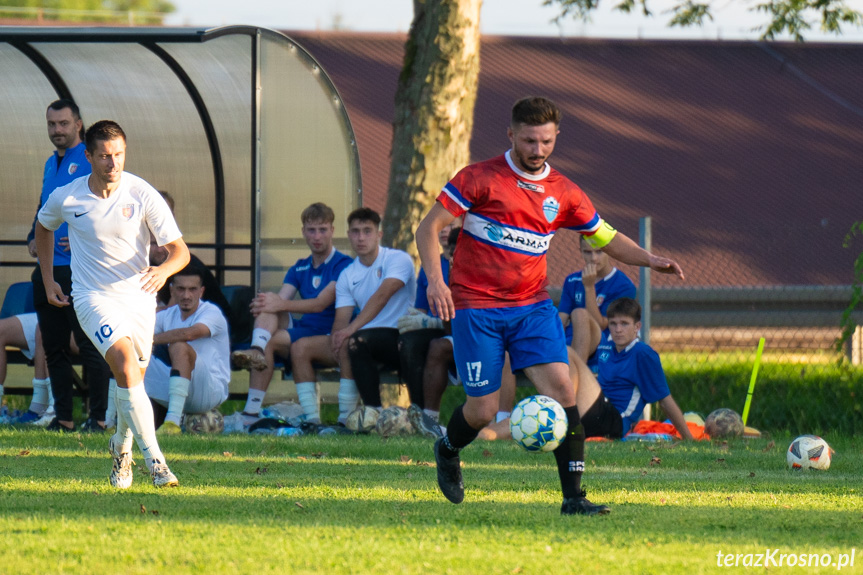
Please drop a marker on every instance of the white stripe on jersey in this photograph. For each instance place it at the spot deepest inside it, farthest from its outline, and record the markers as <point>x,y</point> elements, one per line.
<point>506,237</point>
<point>633,402</point>
<point>455,197</point>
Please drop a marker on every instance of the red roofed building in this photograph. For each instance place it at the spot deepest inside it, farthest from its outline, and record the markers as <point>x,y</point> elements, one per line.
<point>748,156</point>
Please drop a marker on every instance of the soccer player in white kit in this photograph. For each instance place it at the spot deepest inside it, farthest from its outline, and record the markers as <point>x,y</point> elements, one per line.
<point>110,215</point>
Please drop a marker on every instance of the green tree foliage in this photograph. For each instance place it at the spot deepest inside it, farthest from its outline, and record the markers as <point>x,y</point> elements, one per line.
<point>135,12</point>
<point>792,17</point>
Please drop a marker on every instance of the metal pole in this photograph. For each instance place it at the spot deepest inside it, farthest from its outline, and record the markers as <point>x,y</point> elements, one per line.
<point>256,161</point>
<point>645,240</point>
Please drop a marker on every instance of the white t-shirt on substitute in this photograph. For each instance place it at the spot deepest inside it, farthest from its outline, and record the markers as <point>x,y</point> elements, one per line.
<point>213,352</point>
<point>358,283</point>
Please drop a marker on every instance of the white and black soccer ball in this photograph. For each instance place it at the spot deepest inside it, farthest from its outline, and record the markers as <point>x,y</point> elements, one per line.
<point>209,422</point>
<point>809,452</point>
<point>538,423</point>
<point>363,419</point>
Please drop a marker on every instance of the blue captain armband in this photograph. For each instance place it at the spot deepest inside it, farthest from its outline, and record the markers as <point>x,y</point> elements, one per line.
<point>601,237</point>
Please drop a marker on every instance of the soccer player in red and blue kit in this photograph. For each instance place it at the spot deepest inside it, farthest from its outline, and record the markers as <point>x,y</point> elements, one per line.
<point>498,302</point>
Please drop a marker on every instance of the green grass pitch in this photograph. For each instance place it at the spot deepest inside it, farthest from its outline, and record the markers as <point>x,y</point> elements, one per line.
<point>361,504</point>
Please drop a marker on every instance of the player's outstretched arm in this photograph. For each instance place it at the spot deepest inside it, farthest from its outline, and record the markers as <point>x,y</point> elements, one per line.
<point>439,295</point>
<point>45,251</point>
<point>623,249</point>
<point>156,276</point>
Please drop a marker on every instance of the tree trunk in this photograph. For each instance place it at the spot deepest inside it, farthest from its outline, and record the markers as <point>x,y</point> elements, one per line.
<point>434,112</point>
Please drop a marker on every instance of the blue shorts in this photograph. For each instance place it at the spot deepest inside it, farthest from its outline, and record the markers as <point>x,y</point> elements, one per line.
<point>532,334</point>
<point>301,331</point>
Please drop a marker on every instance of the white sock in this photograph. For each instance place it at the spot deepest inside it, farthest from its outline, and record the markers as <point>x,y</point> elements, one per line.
<point>123,435</point>
<point>178,391</point>
<point>41,395</point>
<point>307,391</point>
<point>254,401</point>
<point>349,398</point>
<point>432,413</point>
<point>111,418</point>
<point>501,415</point>
<point>260,338</point>
<point>134,406</point>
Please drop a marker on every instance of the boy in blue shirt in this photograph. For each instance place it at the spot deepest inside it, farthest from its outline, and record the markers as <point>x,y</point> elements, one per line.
<point>630,376</point>
<point>585,298</point>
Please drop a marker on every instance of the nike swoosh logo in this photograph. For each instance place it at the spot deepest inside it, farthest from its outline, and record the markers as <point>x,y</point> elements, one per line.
<point>77,215</point>
<point>356,282</point>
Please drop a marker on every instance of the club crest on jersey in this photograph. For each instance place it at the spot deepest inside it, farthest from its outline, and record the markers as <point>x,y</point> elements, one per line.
<point>550,207</point>
<point>579,297</point>
<point>316,282</point>
<point>599,299</point>
<point>128,211</point>
<point>73,167</point>
<point>538,188</point>
<point>379,272</point>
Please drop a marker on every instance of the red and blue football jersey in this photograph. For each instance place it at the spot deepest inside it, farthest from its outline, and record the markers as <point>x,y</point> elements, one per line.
<point>509,219</point>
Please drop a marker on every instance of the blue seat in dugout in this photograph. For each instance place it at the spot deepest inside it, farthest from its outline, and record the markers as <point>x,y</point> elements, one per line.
<point>18,300</point>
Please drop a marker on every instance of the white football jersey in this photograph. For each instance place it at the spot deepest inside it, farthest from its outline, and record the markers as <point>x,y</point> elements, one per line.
<point>213,352</point>
<point>109,237</point>
<point>357,283</point>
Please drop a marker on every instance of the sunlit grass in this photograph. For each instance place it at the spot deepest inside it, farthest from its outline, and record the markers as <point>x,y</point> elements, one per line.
<point>251,504</point>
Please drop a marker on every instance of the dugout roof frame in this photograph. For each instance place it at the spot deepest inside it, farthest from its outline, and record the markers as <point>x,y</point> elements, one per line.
<point>240,123</point>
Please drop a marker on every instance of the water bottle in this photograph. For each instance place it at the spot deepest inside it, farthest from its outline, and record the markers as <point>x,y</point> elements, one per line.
<point>288,431</point>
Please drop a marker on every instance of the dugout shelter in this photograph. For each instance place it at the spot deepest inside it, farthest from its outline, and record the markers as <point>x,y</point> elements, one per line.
<point>240,124</point>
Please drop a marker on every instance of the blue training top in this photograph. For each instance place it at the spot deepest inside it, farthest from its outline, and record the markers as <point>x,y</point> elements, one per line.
<point>613,286</point>
<point>72,166</point>
<point>631,378</point>
<point>311,281</point>
<point>422,301</point>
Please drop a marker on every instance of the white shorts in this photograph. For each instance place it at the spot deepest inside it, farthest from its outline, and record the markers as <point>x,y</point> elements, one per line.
<point>29,322</point>
<point>204,393</point>
<point>108,319</point>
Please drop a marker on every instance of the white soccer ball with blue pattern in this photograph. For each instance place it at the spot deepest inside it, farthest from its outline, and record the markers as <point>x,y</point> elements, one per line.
<point>538,423</point>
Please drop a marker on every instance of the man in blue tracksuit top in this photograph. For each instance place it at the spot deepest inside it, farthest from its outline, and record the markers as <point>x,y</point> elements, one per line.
<point>65,129</point>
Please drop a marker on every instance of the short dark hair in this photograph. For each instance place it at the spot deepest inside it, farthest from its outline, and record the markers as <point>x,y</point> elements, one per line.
<point>191,270</point>
<point>64,103</point>
<point>364,215</point>
<point>103,130</point>
<point>625,307</point>
<point>318,212</point>
<point>535,111</point>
